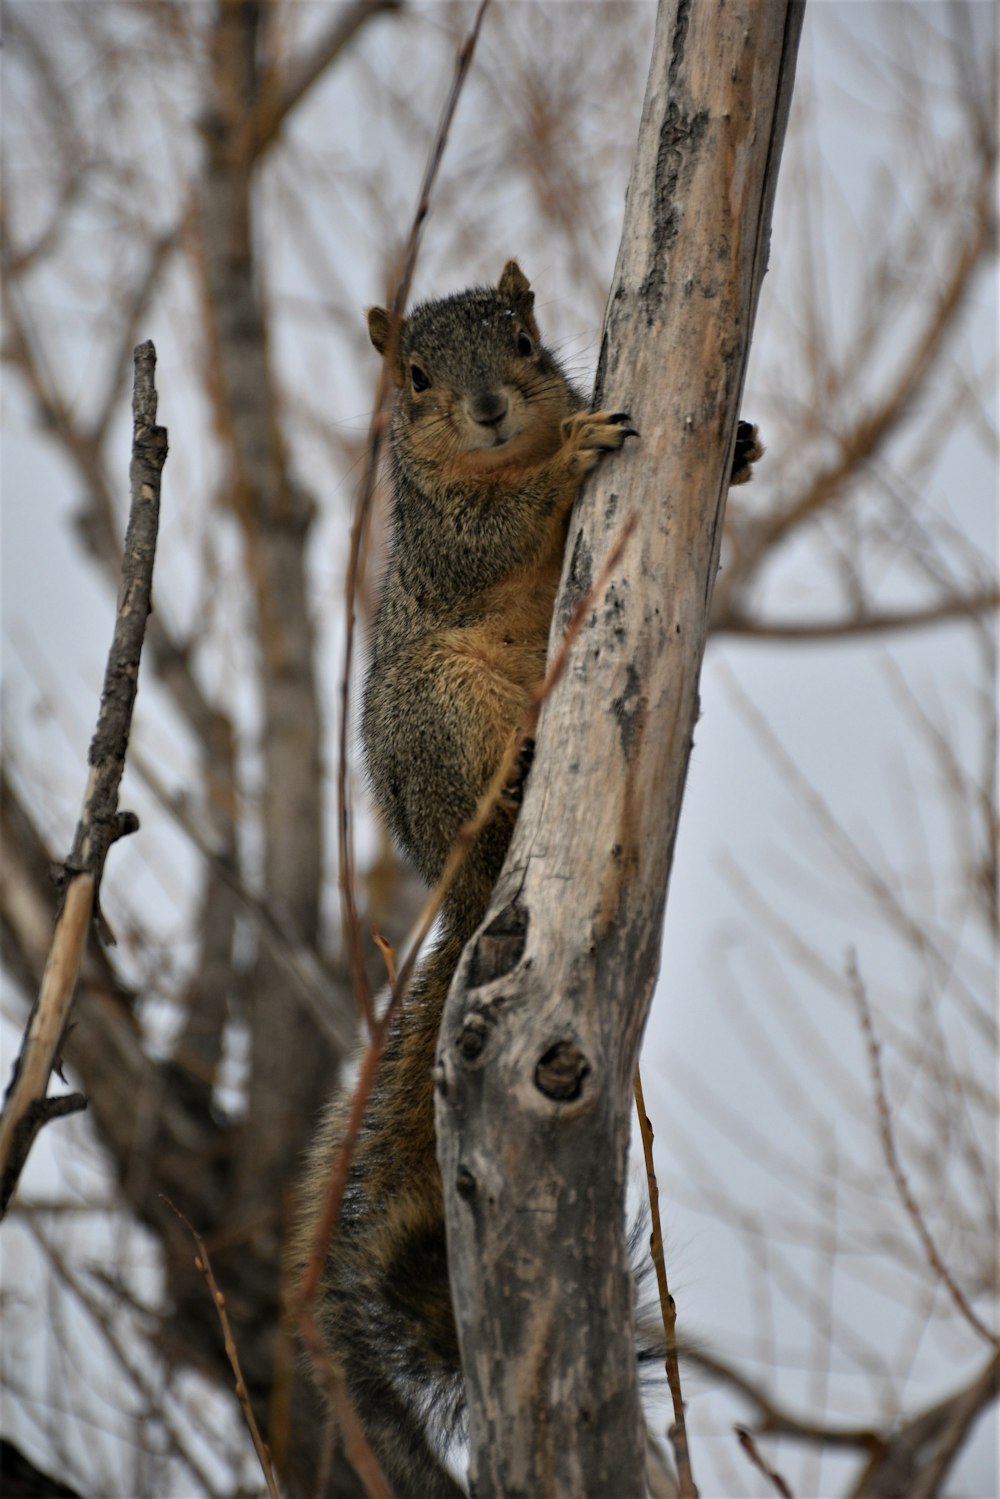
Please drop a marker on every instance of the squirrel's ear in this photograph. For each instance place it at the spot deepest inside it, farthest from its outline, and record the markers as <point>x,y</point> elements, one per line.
<point>379,327</point>
<point>379,330</point>
<point>515,286</point>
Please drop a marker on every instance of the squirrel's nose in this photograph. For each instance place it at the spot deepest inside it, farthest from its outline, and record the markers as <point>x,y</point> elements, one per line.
<point>487,407</point>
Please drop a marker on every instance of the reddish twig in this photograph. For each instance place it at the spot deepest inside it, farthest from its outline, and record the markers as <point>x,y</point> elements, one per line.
<point>687,1488</point>
<point>388,955</point>
<point>359,527</point>
<point>750,1448</point>
<point>525,730</point>
<point>204,1264</point>
<point>333,1198</point>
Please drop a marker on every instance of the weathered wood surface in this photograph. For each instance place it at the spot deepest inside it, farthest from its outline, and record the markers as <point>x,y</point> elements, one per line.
<point>542,1030</point>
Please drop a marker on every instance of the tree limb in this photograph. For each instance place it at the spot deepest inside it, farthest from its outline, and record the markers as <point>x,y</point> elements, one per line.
<point>26,1108</point>
<point>275,514</point>
<point>284,94</point>
<point>533,1124</point>
<point>914,1463</point>
<point>736,621</point>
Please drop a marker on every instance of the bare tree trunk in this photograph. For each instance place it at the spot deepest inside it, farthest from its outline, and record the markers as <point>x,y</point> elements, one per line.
<point>542,1030</point>
<point>291,1065</point>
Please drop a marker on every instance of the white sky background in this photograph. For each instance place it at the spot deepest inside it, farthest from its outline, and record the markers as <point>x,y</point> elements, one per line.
<point>831,706</point>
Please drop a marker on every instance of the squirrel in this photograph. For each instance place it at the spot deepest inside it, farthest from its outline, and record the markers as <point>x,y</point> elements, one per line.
<point>489,444</point>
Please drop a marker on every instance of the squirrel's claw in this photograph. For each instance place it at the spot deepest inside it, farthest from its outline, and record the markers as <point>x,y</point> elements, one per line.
<point>619,418</point>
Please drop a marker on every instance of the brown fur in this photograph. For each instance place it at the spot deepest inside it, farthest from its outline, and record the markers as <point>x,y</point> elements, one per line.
<point>490,443</point>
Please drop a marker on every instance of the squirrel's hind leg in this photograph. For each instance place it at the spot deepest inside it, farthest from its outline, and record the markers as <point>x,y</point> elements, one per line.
<point>394,1426</point>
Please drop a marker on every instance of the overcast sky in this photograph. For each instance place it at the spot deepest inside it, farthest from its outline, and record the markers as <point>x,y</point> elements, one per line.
<point>726,1000</point>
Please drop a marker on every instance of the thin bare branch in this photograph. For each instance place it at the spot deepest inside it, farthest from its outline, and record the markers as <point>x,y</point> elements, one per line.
<point>359,526</point>
<point>668,1307</point>
<point>749,1446</point>
<point>916,1459</point>
<point>738,621</point>
<point>280,96</point>
<point>204,1265</point>
<point>25,1108</point>
<point>887,1135</point>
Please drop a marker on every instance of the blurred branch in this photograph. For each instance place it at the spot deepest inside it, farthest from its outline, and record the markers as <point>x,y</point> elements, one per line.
<point>96,523</point>
<point>280,95</point>
<point>65,143</point>
<point>26,1108</point>
<point>204,1265</point>
<point>753,540</point>
<point>312,984</point>
<point>914,1462</point>
<point>772,1418</point>
<point>737,621</point>
<point>275,514</point>
<point>158,252</point>
<point>132,1361</point>
<point>207,997</point>
<point>885,897</point>
<point>20,1479</point>
<point>896,1171</point>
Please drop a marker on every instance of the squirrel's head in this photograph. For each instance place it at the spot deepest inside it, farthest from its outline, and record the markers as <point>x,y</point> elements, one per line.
<point>477,390</point>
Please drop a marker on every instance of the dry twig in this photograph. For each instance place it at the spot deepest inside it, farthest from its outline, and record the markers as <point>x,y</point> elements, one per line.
<point>359,527</point>
<point>204,1264</point>
<point>896,1171</point>
<point>668,1309</point>
<point>356,1446</point>
<point>26,1108</point>
<point>750,1448</point>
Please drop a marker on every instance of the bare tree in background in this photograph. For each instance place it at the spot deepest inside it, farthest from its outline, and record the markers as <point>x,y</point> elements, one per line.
<point>230,175</point>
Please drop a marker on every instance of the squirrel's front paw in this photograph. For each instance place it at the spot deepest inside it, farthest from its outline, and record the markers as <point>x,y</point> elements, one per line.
<point>588,435</point>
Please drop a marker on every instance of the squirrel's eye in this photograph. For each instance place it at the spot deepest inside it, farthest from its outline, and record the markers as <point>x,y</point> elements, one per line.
<point>420,379</point>
<point>524,344</point>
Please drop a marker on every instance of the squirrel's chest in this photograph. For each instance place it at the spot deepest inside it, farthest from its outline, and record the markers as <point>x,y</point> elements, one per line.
<point>508,635</point>
<point>517,611</point>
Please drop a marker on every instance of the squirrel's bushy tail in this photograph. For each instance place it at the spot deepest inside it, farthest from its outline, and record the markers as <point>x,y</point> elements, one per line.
<point>384,1306</point>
